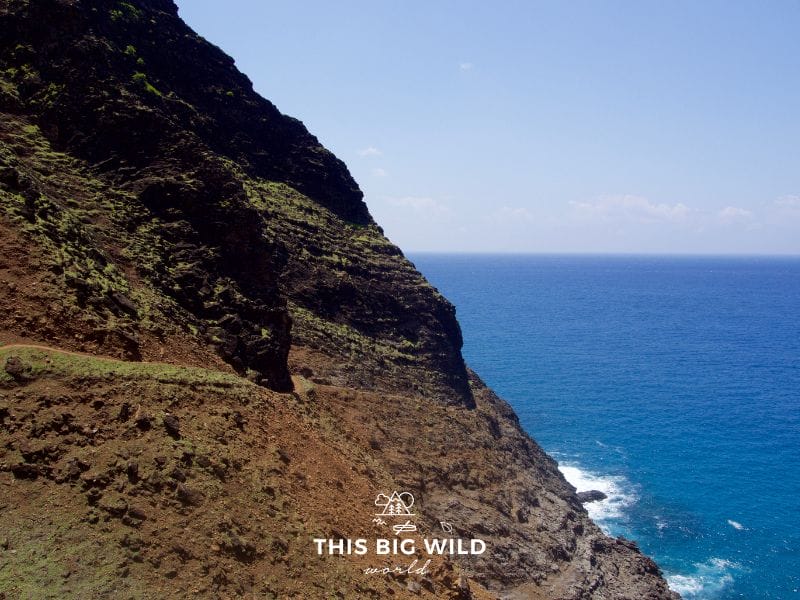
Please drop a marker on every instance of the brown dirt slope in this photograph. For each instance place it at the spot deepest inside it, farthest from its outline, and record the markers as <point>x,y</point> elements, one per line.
<point>143,480</point>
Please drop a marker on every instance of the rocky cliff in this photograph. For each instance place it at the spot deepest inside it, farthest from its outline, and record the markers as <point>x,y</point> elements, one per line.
<point>213,355</point>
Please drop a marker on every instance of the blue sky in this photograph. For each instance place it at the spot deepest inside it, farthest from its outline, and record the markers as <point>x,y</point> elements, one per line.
<point>667,127</point>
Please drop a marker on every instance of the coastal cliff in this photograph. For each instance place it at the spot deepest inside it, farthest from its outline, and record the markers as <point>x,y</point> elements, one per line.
<point>212,355</point>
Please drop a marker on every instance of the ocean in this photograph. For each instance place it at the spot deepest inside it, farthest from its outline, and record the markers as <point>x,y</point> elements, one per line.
<point>670,383</point>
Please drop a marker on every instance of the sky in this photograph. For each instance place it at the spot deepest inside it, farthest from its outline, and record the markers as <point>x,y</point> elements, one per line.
<point>524,126</point>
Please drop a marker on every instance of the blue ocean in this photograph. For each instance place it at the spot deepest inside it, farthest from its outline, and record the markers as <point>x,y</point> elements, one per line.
<point>670,383</point>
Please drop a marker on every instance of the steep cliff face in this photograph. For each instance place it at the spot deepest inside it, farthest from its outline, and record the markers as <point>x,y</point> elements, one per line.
<point>124,85</point>
<point>220,190</point>
<point>156,211</point>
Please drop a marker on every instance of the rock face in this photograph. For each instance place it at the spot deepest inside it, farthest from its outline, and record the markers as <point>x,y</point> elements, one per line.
<point>591,496</point>
<point>153,210</point>
<point>125,85</point>
<point>219,191</point>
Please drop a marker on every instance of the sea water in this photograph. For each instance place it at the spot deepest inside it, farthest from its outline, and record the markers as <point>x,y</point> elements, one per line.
<point>672,384</point>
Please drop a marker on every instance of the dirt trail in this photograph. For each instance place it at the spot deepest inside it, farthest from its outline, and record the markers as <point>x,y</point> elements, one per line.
<point>86,355</point>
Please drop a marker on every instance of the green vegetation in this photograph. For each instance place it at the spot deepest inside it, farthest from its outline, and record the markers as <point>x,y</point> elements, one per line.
<point>34,570</point>
<point>49,95</point>
<point>42,363</point>
<point>125,11</point>
<point>24,73</point>
<point>8,89</point>
<point>334,247</point>
<point>62,230</point>
<point>70,230</point>
<point>140,79</point>
<point>278,198</point>
<point>130,51</point>
<point>343,336</point>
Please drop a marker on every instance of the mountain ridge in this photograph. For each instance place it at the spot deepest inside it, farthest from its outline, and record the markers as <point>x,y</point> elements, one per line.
<point>155,209</point>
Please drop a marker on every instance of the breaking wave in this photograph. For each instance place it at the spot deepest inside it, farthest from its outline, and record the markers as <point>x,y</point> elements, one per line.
<point>619,492</point>
<point>706,580</point>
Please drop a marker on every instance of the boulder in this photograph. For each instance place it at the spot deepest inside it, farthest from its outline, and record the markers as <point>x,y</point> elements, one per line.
<point>591,496</point>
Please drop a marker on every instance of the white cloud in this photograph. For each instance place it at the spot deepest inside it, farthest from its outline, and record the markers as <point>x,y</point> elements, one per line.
<point>509,214</point>
<point>788,201</point>
<point>788,206</point>
<point>631,208</point>
<point>379,172</point>
<point>731,214</point>
<point>370,151</point>
<point>465,66</point>
<point>422,205</point>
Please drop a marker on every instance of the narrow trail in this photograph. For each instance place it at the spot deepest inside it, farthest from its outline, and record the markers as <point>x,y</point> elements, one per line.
<point>110,359</point>
<point>58,350</point>
<point>78,354</point>
<point>54,350</point>
<point>98,356</point>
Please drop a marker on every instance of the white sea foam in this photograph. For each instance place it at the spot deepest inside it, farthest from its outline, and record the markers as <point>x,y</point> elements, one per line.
<point>706,580</point>
<point>661,524</point>
<point>736,524</point>
<point>685,585</point>
<point>618,490</point>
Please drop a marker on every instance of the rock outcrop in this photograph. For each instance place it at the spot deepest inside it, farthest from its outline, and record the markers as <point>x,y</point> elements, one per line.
<point>591,496</point>
<point>265,347</point>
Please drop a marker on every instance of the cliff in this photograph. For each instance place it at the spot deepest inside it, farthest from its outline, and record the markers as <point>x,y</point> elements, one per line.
<point>213,355</point>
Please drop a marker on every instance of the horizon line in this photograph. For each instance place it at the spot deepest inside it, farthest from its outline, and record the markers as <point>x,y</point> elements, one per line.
<point>603,253</point>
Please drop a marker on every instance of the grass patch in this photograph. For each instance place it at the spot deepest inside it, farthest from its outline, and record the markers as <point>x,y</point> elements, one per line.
<point>346,337</point>
<point>125,11</point>
<point>42,363</point>
<point>35,569</point>
<point>140,79</point>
